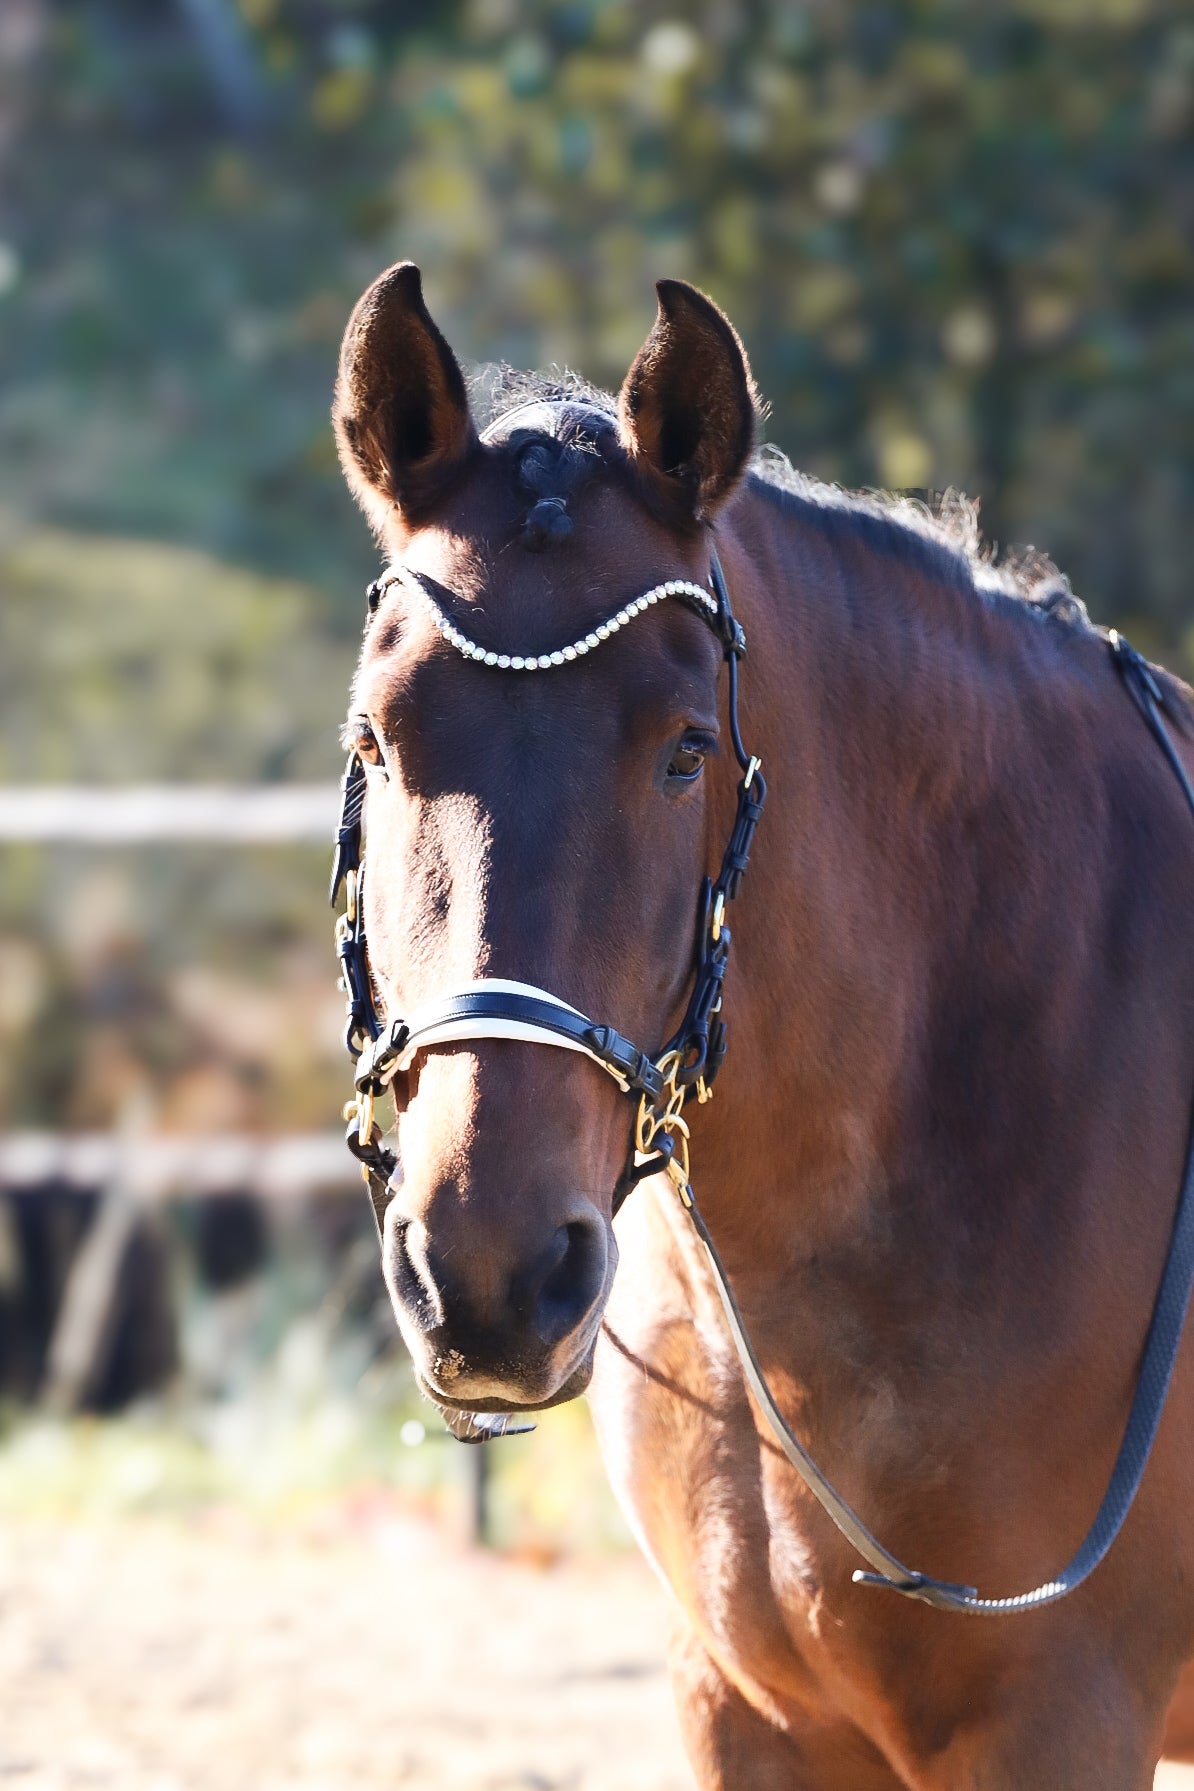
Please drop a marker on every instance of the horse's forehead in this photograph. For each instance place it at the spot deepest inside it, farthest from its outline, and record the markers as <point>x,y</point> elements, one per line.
<point>473,553</point>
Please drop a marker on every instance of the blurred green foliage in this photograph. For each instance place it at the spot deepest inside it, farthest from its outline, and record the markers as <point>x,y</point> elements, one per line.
<point>206,974</point>
<point>958,241</point>
<point>159,664</point>
<point>285,1454</point>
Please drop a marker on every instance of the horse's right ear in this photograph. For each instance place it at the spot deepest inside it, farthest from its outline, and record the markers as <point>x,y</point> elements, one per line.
<point>401,411</point>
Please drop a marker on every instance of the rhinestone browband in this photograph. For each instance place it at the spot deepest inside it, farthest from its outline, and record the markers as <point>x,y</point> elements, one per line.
<point>542,662</point>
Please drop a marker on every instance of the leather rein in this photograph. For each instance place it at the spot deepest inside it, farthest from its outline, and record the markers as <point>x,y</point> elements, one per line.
<point>685,1069</point>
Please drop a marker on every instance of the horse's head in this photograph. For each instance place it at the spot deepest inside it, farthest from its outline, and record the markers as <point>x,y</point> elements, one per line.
<point>551,829</point>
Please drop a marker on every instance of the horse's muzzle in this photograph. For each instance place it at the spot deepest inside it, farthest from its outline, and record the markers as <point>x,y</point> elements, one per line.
<point>492,1334</point>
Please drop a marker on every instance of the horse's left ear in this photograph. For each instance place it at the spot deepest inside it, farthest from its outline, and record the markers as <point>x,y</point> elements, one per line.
<point>687,409</point>
<point>401,409</point>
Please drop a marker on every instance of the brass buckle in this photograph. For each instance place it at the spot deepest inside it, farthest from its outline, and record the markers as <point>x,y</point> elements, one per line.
<point>664,1119</point>
<point>361,1109</point>
<point>718,916</point>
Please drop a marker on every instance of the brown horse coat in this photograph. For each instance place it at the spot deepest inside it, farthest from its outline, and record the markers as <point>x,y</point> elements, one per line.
<point>944,1154</point>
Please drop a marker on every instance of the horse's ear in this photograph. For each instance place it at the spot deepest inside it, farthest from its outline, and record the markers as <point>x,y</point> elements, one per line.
<point>401,410</point>
<point>687,409</point>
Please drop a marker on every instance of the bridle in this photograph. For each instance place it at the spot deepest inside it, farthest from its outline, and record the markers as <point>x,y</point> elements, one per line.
<point>685,1069</point>
<point>661,1084</point>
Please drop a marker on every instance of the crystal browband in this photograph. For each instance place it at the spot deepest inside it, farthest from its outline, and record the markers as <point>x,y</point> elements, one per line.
<point>415,583</point>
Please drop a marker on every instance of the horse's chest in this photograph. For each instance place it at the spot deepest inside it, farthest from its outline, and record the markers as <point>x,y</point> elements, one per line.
<point>687,1466</point>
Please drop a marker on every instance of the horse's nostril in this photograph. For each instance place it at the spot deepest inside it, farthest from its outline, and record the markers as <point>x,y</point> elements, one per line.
<point>409,1275</point>
<point>571,1273</point>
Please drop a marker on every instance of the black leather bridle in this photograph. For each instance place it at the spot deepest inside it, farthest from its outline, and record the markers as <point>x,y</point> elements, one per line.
<point>688,1063</point>
<point>686,1068</point>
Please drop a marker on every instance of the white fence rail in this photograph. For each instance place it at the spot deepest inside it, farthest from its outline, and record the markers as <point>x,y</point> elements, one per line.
<point>159,1168</point>
<point>132,814</point>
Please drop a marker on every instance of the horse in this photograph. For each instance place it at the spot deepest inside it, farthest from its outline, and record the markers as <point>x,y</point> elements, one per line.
<point>942,1155</point>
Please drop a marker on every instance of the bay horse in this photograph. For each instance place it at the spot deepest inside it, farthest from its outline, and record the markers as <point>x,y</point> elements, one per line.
<point>942,1160</point>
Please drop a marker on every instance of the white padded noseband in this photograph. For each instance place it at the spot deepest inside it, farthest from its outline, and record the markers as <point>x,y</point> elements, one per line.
<point>428,1024</point>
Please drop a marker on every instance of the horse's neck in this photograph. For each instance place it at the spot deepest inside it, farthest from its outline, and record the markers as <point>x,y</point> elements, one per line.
<point>883,915</point>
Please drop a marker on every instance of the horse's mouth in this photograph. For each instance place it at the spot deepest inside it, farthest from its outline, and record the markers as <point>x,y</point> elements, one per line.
<point>571,1388</point>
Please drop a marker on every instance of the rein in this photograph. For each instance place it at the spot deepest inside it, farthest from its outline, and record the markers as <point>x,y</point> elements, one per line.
<point>685,1068</point>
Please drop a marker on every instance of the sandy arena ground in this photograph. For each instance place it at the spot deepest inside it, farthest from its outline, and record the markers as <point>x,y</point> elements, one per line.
<point>336,1656</point>
<point>155,1657</point>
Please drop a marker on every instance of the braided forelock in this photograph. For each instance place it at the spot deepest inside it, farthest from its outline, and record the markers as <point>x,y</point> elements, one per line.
<point>549,471</point>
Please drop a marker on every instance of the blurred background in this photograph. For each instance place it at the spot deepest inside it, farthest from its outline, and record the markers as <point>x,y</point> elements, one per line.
<point>959,244</point>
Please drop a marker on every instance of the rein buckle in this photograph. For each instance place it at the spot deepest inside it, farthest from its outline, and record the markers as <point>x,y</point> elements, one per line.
<point>660,1128</point>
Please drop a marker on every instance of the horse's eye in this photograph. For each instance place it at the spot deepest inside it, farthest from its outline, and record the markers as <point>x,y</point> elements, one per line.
<point>367,745</point>
<point>687,761</point>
